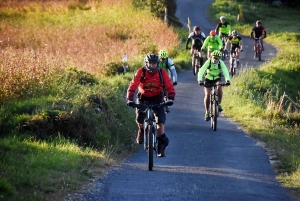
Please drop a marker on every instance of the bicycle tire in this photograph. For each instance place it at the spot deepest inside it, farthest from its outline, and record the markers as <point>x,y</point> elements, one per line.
<point>150,148</point>
<point>259,55</point>
<point>194,64</point>
<point>215,115</point>
<point>196,68</point>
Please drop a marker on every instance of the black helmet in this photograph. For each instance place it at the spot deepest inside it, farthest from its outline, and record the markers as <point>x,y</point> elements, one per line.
<point>151,58</point>
<point>197,28</point>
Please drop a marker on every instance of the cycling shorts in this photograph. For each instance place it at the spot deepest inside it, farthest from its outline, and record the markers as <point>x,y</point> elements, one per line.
<point>159,113</point>
<point>210,82</point>
<point>233,47</point>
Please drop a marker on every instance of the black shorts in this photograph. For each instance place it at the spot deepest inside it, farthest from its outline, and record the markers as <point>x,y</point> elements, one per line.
<point>159,113</point>
<point>233,47</point>
<point>210,82</point>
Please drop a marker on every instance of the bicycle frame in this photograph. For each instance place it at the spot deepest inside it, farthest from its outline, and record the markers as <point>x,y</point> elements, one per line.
<point>196,55</point>
<point>150,127</point>
<point>224,51</point>
<point>258,47</point>
<point>214,104</point>
<point>233,63</point>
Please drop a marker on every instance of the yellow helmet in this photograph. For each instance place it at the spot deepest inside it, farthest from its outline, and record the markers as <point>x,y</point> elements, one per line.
<point>163,54</point>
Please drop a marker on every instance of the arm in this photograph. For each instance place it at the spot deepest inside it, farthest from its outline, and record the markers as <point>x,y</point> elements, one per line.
<point>241,44</point>
<point>173,70</point>
<point>229,29</point>
<point>219,42</point>
<point>205,43</point>
<point>134,83</point>
<point>217,28</point>
<point>225,71</point>
<point>202,70</point>
<point>168,84</point>
<point>188,40</point>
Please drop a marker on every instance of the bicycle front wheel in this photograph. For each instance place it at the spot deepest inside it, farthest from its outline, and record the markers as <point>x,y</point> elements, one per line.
<point>214,115</point>
<point>150,150</point>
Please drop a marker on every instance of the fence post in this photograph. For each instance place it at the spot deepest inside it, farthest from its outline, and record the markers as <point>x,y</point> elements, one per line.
<point>189,24</point>
<point>166,15</point>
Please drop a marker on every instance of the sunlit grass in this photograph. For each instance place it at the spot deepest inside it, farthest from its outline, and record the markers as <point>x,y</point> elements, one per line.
<point>47,167</point>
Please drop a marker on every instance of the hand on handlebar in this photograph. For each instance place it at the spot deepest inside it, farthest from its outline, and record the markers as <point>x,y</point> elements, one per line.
<point>200,83</point>
<point>175,83</point>
<point>130,103</point>
<point>169,102</point>
<point>227,83</point>
<point>187,48</point>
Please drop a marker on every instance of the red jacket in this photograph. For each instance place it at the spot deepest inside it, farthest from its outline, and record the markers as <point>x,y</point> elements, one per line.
<point>151,85</point>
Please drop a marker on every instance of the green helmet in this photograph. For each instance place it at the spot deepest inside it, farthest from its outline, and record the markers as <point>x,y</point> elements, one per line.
<point>216,53</point>
<point>163,54</point>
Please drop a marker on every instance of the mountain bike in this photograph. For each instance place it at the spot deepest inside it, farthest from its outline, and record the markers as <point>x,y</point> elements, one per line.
<point>150,140</point>
<point>224,51</point>
<point>233,64</point>
<point>258,48</point>
<point>195,61</point>
<point>214,104</point>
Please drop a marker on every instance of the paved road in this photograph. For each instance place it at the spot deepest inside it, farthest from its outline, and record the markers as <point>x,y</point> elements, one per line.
<point>201,164</point>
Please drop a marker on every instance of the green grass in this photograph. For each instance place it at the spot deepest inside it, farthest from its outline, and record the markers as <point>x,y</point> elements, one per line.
<point>255,95</point>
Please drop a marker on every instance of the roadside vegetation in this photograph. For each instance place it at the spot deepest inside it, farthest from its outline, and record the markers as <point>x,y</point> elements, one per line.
<point>265,100</point>
<point>63,119</point>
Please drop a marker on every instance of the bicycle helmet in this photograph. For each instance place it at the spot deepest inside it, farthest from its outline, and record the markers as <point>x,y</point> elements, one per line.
<point>258,22</point>
<point>197,28</point>
<point>212,33</point>
<point>216,53</point>
<point>163,54</point>
<point>234,32</point>
<point>151,58</point>
<point>222,18</point>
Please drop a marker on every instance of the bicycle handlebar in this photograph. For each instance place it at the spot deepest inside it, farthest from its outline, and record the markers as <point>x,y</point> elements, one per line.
<point>214,84</point>
<point>157,105</point>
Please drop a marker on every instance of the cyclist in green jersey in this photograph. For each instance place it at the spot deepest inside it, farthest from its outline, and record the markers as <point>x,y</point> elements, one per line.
<point>213,68</point>
<point>168,64</point>
<point>212,43</point>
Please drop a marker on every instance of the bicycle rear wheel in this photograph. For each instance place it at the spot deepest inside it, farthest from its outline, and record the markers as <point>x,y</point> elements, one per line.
<point>194,66</point>
<point>259,54</point>
<point>150,148</point>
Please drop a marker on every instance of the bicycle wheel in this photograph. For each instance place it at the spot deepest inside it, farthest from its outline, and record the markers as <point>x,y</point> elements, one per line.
<point>196,67</point>
<point>232,67</point>
<point>194,64</point>
<point>259,54</point>
<point>150,148</point>
<point>223,54</point>
<point>214,115</point>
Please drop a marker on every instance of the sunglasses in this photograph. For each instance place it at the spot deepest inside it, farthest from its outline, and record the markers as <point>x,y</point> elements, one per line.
<point>216,58</point>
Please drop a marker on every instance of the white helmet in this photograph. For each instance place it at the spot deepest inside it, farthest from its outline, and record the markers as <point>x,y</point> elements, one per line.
<point>222,18</point>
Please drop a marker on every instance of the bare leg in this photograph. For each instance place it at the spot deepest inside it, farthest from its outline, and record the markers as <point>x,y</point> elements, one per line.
<point>160,129</point>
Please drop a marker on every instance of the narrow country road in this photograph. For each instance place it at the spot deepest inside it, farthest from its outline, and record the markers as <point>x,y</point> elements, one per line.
<point>200,164</point>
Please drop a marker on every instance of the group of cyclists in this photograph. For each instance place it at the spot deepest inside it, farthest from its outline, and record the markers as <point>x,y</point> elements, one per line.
<point>157,78</point>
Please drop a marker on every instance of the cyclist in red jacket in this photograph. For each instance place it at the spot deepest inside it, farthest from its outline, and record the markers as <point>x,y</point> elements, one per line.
<point>150,81</point>
<point>259,31</point>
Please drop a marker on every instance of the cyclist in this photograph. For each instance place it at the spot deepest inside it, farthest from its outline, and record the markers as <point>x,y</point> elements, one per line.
<point>223,29</point>
<point>198,37</point>
<point>150,81</point>
<point>212,43</point>
<point>213,68</point>
<point>236,45</point>
<point>259,31</point>
<point>168,64</point>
